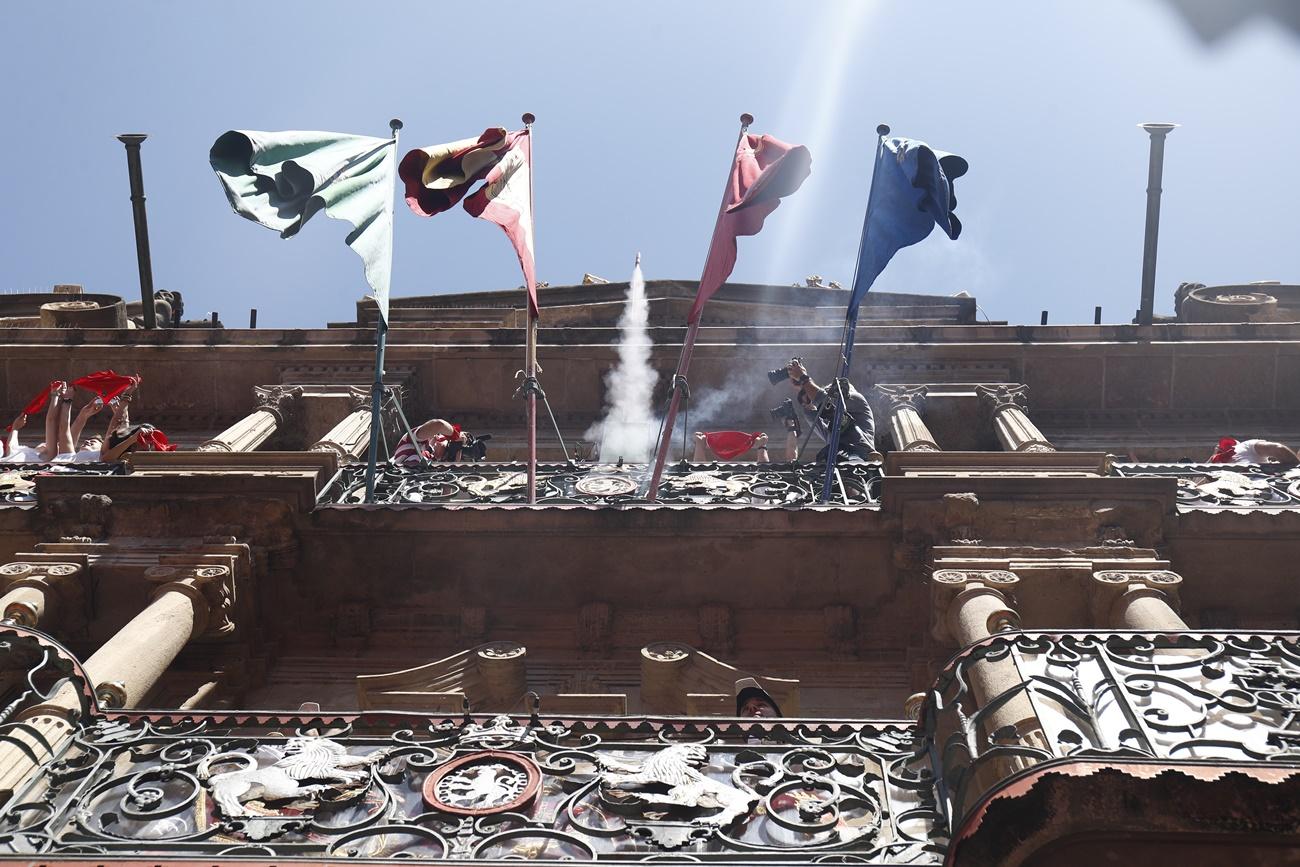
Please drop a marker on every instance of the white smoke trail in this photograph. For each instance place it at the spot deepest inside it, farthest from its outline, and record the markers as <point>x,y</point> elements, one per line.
<point>629,425</point>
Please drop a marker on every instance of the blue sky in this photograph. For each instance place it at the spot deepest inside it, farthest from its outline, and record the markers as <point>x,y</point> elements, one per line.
<point>637,108</point>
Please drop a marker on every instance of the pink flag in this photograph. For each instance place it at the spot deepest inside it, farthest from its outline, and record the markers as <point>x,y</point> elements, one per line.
<point>506,199</point>
<point>765,171</point>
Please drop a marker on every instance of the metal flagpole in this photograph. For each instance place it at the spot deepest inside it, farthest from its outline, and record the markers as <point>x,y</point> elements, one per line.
<point>381,334</point>
<point>688,344</point>
<point>850,333</point>
<point>530,352</point>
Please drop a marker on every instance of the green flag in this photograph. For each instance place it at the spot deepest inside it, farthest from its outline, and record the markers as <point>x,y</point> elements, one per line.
<point>280,179</point>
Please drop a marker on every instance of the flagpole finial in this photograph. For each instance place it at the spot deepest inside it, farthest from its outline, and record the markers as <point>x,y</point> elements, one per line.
<point>746,119</point>
<point>882,130</point>
<point>529,118</point>
<point>395,124</point>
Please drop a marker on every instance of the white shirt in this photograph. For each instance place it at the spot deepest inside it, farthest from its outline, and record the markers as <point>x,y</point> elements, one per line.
<point>1244,452</point>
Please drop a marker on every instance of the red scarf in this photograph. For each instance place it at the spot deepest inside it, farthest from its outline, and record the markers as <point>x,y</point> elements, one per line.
<point>153,440</point>
<point>106,383</point>
<point>728,444</point>
<point>1226,452</point>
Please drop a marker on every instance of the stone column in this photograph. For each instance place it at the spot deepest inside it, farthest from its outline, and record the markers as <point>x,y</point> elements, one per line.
<point>1144,600</point>
<point>1015,431</point>
<point>41,594</point>
<point>969,607</point>
<point>350,437</point>
<point>245,435</point>
<point>905,423</point>
<point>189,601</point>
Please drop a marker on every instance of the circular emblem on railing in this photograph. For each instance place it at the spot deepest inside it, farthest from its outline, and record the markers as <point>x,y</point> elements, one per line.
<point>481,783</point>
<point>605,486</point>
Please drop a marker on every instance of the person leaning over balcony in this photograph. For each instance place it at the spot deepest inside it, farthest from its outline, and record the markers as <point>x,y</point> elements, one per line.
<point>439,439</point>
<point>1265,453</point>
<point>858,427</point>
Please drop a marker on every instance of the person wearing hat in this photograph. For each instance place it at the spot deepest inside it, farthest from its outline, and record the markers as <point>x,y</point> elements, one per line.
<point>754,701</point>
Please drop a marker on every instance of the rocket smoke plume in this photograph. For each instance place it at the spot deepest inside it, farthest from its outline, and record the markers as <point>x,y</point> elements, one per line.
<point>629,425</point>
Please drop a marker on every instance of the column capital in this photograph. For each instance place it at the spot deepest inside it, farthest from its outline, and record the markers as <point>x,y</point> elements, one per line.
<point>276,399</point>
<point>359,398</point>
<point>953,589</point>
<point>61,581</point>
<point>899,396</point>
<point>1002,396</point>
<point>1112,587</point>
<point>210,587</point>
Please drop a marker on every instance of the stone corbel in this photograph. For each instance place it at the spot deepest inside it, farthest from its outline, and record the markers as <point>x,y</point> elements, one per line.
<point>1009,404</point>
<point>211,588</point>
<point>970,605</point>
<point>904,403</point>
<point>43,594</point>
<point>1136,599</point>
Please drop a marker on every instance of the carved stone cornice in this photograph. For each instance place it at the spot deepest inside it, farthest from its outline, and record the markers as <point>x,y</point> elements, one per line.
<point>59,583</point>
<point>1111,587</point>
<point>210,587</point>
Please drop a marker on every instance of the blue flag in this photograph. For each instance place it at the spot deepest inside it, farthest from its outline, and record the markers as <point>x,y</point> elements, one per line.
<point>911,191</point>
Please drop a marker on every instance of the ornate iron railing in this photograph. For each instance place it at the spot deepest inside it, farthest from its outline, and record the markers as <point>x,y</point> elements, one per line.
<point>18,481</point>
<point>1019,699</point>
<point>378,785</point>
<point>606,484</point>
<point>1234,486</point>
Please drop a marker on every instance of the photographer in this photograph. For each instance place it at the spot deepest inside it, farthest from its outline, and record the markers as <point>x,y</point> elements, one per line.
<point>857,427</point>
<point>440,441</point>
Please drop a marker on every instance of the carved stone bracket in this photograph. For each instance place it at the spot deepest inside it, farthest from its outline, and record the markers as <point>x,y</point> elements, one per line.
<point>211,588</point>
<point>904,403</point>
<point>970,605</point>
<point>43,594</point>
<point>1136,599</point>
<point>1009,404</point>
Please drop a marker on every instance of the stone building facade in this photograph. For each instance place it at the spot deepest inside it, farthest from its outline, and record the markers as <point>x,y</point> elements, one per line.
<point>1041,630</point>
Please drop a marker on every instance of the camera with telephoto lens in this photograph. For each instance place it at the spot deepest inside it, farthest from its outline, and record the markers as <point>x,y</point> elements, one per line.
<point>473,450</point>
<point>788,415</point>
<point>780,374</point>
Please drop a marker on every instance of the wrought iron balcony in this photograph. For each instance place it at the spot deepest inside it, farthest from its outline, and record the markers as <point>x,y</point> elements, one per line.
<point>1018,700</point>
<point>18,481</point>
<point>1229,486</point>
<point>747,484</point>
<point>392,785</point>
